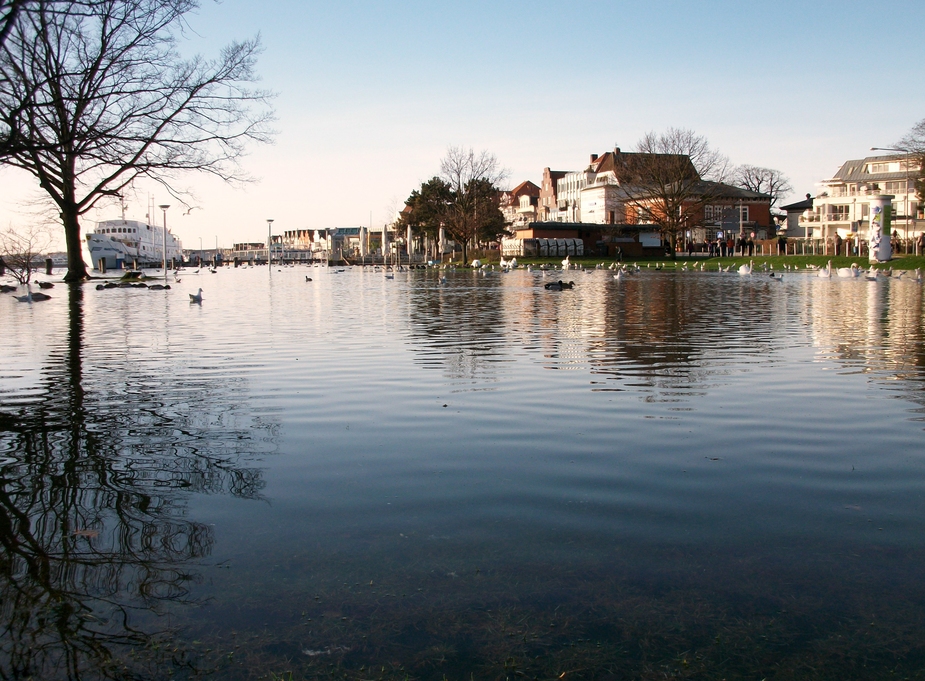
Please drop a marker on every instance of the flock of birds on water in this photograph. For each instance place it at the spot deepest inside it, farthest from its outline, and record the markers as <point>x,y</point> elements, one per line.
<point>619,270</point>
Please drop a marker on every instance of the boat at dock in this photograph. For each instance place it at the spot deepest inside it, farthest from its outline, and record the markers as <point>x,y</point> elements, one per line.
<point>131,243</point>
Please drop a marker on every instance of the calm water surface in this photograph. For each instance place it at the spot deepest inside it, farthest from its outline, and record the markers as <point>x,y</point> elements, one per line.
<point>674,475</point>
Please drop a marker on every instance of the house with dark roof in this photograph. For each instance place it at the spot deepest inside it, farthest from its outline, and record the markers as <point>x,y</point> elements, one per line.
<point>607,192</point>
<point>795,227</point>
<point>842,206</point>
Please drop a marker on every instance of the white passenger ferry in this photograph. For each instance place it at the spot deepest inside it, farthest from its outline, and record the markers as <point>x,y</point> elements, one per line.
<point>131,243</point>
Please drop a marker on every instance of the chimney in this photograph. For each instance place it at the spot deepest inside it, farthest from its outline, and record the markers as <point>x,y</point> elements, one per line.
<point>616,150</point>
<point>593,158</point>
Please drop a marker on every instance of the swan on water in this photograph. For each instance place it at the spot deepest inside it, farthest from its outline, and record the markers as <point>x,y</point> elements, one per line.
<point>826,272</point>
<point>852,271</point>
<point>747,269</point>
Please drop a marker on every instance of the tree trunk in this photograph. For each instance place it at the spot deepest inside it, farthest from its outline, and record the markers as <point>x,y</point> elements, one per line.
<point>76,267</point>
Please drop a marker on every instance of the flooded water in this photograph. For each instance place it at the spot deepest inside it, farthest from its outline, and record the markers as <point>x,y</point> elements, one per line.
<point>673,475</point>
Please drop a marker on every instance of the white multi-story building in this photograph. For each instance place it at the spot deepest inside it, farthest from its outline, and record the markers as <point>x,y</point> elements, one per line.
<point>568,192</point>
<point>842,206</point>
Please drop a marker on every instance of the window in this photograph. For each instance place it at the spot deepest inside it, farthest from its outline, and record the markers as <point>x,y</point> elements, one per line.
<point>744,213</point>
<point>880,167</point>
<point>895,187</point>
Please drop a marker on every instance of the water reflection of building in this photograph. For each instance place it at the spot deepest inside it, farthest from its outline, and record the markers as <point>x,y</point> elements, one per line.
<point>875,327</point>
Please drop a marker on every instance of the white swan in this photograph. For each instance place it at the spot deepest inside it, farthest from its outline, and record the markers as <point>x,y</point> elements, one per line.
<point>566,263</point>
<point>196,297</point>
<point>747,269</point>
<point>826,272</point>
<point>852,271</point>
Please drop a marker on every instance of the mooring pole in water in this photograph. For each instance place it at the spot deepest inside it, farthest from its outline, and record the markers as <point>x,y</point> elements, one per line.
<point>49,266</point>
<point>269,241</point>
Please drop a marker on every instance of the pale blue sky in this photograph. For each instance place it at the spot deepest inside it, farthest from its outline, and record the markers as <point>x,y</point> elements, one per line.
<point>371,94</point>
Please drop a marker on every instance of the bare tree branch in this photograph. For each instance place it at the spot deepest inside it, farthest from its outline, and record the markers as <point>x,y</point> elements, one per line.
<point>764,180</point>
<point>96,96</point>
<point>19,250</point>
<point>670,178</point>
<point>914,144</point>
<point>473,206</point>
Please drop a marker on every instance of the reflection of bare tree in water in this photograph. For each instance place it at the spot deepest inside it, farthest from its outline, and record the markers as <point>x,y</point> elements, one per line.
<point>659,329</point>
<point>96,545</point>
<point>458,329</point>
<point>675,332</point>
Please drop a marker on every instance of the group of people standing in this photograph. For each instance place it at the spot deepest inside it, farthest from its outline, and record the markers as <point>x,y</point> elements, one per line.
<point>729,247</point>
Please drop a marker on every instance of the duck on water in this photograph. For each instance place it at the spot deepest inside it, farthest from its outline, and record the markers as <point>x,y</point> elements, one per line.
<point>559,285</point>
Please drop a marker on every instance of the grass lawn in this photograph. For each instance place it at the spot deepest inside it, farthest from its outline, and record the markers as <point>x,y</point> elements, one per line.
<point>899,262</point>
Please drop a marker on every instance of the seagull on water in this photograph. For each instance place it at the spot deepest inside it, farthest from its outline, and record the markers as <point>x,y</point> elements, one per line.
<point>196,297</point>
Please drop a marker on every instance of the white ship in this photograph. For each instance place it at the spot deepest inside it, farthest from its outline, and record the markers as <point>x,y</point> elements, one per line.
<point>131,243</point>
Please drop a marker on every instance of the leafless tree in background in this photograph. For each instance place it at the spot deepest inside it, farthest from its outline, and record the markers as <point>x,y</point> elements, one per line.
<point>914,144</point>
<point>473,180</point>
<point>21,249</point>
<point>763,180</point>
<point>96,96</point>
<point>670,179</point>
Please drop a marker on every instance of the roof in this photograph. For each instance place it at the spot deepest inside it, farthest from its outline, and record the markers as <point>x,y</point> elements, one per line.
<point>799,206</point>
<point>855,170</point>
<point>721,190</point>
<point>626,164</point>
<point>525,187</point>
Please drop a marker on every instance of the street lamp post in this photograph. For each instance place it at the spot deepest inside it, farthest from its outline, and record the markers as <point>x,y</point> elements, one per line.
<point>906,204</point>
<point>164,207</point>
<point>269,240</point>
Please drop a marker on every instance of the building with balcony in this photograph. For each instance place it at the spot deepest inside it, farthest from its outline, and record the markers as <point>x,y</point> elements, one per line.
<point>842,205</point>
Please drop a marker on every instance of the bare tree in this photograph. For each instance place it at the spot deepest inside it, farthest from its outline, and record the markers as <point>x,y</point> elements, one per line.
<point>20,250</point>
<point>914,145</point>
<point>9,11</point>
<point>473,181</point>
<point>99,97</point>
<point>670,178</point>
<point>763,180</point>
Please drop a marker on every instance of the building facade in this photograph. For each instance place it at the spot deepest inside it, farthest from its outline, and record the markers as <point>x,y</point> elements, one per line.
<point>519,205</point>
<point>548,208</point>
<point>842,206</point>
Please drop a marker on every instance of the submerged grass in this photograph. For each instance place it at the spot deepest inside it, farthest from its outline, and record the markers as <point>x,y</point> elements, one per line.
<point>674,617</point>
